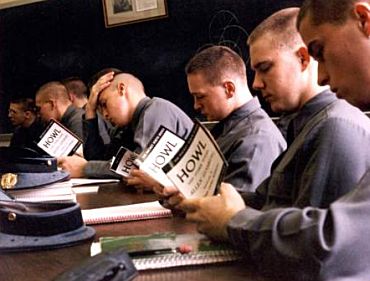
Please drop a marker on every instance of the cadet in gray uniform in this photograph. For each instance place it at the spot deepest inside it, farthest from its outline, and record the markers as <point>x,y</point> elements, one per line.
<point>123,102</point>
<point>246,135</point>
<point>311,243</point>
<point>53,102</point>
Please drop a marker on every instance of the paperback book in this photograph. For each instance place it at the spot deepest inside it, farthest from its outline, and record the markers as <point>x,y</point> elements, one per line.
<point>161,149</point>
<point>57,140</point>
<point>195,166</point>
<point>199,166</point>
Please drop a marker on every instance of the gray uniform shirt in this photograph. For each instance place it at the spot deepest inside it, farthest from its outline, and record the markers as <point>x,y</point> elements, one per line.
<point>250,142</point>
<point>72,119</point>
<point>149,115</point>
<point>328,156</point>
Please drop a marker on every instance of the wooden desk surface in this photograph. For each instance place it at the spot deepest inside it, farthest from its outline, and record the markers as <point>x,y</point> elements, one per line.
<point>46,265</point>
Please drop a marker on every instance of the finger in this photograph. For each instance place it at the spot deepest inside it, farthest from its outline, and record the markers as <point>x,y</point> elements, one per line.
<point>189,205</point>
<point>60,160</point>
<point>134,172</point>
<point>194,217</point>
<point>170,190</point>
<point>158,189</point>
<point>175,200</point>
<point>132,181</point>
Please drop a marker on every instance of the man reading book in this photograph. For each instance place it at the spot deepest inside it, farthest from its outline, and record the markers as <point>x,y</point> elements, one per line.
<point>246,135</point>
<point>123,101</point>
<point>308,242</point>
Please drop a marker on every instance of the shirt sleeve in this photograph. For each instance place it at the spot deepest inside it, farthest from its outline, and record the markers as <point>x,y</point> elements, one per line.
<point>99,169</point>
<point>158,114</point>
<point>335,162</point>
<point>309,243</point>
<point>249,164</point>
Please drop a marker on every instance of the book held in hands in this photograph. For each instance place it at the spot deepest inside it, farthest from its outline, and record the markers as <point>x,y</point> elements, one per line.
<point>195,166</point>
<point>57,140</point>
<point>198,168</point>
<point>124,162</point>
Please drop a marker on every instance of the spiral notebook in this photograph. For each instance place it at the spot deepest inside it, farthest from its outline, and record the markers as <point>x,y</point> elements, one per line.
<point>163,250</point>
<point>133,212</point>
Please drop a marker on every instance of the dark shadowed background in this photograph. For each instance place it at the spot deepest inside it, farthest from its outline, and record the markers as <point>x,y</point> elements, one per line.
<point>54,39</point>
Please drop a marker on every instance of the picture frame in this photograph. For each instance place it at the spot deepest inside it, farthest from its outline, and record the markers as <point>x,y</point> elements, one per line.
<point>122,12</point>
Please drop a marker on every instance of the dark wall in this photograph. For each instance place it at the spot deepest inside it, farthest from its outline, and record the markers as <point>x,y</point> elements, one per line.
<point>54,39</point>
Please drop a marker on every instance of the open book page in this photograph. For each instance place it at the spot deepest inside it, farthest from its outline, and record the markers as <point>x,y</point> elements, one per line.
<point>162,250</point>
<point>163,146</point>
<point>198,168</point>
<point>140,211</point>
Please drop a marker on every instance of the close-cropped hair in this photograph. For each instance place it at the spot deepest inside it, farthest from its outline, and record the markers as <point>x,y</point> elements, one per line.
<point>282,26</point>
<point>75,85</point>
<point>129,78</point>
<point>215,63</point>
<point>54,90</point>
<point>27,104</point>
<point>326,11</point>
<point>102,72</point>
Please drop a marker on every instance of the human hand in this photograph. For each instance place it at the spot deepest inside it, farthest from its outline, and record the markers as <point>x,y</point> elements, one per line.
<point>92,104</point>
<point>169,196</point>
<point>74,165</point>
<point>213,213</point>
<point>141,180</point>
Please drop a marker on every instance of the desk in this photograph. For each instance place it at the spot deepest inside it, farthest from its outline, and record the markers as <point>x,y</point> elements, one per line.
<point>46,265</point>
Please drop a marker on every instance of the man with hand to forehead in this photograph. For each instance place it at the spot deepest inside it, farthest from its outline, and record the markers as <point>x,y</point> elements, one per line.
<point>123,102</point>
<point>309,243</point>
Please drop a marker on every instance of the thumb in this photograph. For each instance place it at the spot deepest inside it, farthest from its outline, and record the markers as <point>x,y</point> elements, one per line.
<point>60,160</point>
<point>231,196</point>
<point>228,190</point>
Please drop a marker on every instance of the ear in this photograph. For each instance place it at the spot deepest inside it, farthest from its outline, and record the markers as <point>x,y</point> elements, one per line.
<point>229,89</point>
<point>303,57</point>
<point>53,103</point>
<point>27,114</point>
<point>121,88</point>
<point>362,12</point>
<point>71,96</point>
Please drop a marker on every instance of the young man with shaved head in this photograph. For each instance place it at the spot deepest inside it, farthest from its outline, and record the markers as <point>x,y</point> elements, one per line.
<point>309,243</point>
<point>123,102</point>
<point>53,102</point>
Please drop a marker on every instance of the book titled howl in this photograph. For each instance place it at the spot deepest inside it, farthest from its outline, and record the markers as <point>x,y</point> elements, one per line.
<point>198,167</point>
<point>57,140</point>
<point>124,162</point>
<point>160,150</point>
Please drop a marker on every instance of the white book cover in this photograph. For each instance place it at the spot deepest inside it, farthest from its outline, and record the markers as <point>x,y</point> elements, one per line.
<point>161,149</point>
<point>198,168</point>
<point>58,141</point>
<point>124,162</point>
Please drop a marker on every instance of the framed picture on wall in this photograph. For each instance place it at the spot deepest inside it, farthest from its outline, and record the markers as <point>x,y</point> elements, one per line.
<point>120,12</point>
